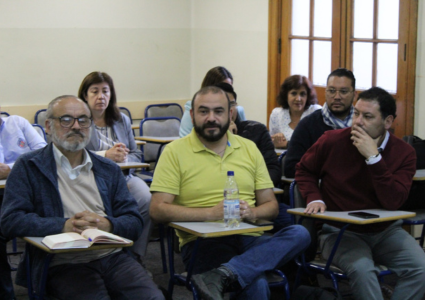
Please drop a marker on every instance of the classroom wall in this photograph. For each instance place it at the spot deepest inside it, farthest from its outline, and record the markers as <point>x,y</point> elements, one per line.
<point>48,46</point>
<point>419,124</point>
<point>233,34</point>
<point>156,51</point>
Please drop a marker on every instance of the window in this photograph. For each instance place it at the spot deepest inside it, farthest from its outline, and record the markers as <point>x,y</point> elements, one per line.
<point>376,39</point>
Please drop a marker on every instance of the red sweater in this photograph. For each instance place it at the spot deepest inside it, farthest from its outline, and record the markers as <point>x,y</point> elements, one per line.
<point>348,183</point>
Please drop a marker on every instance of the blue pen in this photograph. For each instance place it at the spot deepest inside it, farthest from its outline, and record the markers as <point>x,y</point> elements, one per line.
<point>90,240</point>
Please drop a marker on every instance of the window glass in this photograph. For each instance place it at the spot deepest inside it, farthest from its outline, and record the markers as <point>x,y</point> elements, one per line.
<point>388,11</point>
<point>321,62</point>
<point>323,18</point>
<point>299,57</point>
<point>301,17</point>
<point>387,67</point>
<point>363,19</point>
<point>362,65</point>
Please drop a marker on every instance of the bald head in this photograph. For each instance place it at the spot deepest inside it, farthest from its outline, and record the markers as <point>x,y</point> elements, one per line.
<point>63,99</point>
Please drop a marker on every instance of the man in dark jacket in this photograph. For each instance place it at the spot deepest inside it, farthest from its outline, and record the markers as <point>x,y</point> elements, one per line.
<point>336,114</point>
<point>64,188</point>
<point>254,131</point>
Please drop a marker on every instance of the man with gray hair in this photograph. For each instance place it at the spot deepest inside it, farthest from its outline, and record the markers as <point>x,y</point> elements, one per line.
<point>64,188</point>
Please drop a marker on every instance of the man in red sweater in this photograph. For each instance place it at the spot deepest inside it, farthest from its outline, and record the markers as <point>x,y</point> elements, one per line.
<point>365,167</point>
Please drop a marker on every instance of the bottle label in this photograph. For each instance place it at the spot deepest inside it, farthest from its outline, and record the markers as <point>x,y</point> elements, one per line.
<point>231,213</point>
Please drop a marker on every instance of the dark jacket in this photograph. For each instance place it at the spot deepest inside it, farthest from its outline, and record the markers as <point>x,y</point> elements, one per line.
<point>308,131</point>
<point>32,204</point>
<point>259,134</point>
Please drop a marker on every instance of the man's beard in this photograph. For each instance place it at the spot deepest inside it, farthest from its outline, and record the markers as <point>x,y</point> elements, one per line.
<point>71,146</point>
<point>340,113</point>
<point>210,136</point>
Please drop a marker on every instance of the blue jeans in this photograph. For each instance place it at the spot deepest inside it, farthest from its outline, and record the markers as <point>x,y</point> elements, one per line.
<point>249,257</point>
<point>283,219</point>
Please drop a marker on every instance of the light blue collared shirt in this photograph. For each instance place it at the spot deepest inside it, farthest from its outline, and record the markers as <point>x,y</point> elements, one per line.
<point>17,136</point>
<point>63,161</point>
<point>381,148</point>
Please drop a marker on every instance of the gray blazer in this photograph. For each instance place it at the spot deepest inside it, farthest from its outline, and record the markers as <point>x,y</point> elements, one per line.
<point>124,134</point>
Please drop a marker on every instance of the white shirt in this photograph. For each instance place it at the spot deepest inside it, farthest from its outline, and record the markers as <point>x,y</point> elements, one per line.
<point>280,119</point>
<point>63,161</point>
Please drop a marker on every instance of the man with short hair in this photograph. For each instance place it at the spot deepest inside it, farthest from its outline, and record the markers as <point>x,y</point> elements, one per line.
<point>336,114</point>
<point>365,167</point>
<point>65,188</point>
<point>188,186</point>
<point>17,136</point>
<point>254,131</point>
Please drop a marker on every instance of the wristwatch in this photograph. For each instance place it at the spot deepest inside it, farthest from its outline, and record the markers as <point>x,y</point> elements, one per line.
<point>372,157</point>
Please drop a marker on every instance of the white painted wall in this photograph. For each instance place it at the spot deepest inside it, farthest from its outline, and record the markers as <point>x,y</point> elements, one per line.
<point>155,50</point>
<point>419,125</point>
<point>48,46</point>
<point>233,34</point>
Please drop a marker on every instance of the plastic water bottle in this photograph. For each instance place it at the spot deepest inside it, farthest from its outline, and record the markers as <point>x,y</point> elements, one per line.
<point>232,215</point>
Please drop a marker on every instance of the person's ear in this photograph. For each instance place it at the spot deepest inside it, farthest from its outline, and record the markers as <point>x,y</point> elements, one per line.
<point>47,124</point>
<point>231,110</point>
<point>388,122</point>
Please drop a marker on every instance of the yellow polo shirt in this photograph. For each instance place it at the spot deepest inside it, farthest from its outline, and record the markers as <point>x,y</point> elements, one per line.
<point>196,175</point>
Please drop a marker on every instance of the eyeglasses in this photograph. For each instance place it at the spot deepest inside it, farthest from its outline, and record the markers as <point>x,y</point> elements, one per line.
<point>332,92</point>
<point>68,121</point>
<point>233,103</point>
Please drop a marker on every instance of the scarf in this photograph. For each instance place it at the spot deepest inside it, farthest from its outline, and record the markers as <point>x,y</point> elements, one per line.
<point>334,122</point>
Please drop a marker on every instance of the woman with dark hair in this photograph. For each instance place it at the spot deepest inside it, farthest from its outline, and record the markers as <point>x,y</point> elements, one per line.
<point>213,76</point>
<point>297,98</point>
<point>112,137</point>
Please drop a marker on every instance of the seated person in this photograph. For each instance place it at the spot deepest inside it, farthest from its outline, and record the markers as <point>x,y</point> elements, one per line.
<point>213,76</point>
<point>112,137</point>
<point>17,136</point>
<point>64,188</point>
<point>335,114</point>
<point>365,167</point>
<point>297,98</point>
<point>255,132</point>
<point>188,186</point>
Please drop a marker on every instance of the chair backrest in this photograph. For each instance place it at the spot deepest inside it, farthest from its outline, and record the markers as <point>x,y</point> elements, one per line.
<point>281,161</point>
<point>164,110</point>
<point>160,127</point>
<point>284,186</point>
<point>295,197</point>
<point>126,112</point>
<point>40,117</point>
<point>4,114</point>
<point>297,200</point>
<point>40,131</point>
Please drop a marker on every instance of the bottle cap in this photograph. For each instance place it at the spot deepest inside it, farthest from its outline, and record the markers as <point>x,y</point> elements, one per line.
<point>230,173</point>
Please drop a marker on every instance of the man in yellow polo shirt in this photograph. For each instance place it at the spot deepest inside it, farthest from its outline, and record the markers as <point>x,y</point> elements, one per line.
<point>188,186</point>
